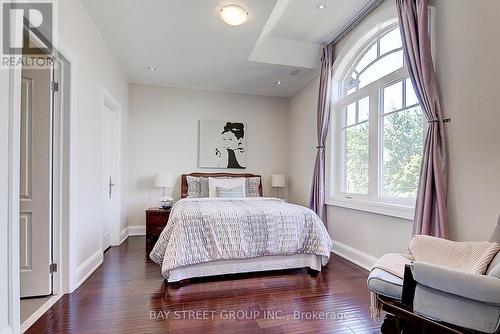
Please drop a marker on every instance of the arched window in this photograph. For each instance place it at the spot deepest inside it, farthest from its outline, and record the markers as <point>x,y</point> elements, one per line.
<point>378,127</point>
<point>381,57</point>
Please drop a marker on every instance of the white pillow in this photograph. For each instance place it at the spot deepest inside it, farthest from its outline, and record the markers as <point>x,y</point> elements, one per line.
<point>233,192</point>
<point>230,183</point>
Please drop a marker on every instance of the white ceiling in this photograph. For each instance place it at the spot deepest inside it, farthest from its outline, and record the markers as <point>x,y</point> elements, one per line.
<point>192,47</point>
<point>303,21</point>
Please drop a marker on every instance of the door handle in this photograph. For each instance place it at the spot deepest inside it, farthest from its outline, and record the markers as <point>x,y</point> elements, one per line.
<point>110,186</point>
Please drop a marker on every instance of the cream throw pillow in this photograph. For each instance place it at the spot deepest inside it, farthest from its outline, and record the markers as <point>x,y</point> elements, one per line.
<point>468,256</point>
<point>230,183</point>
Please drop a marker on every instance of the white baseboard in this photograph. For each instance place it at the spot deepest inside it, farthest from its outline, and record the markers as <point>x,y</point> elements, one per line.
<point>354,255</point>
<point>131,231</point>
<point>86,269</point>
<point>136,230</point>
<point>38,313</point>
<point>123,235</point>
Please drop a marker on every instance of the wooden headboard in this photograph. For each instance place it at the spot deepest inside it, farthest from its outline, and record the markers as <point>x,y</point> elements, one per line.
<point>184,185</point>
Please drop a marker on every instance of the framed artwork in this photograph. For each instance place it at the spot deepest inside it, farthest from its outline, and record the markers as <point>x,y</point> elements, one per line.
<point>222,145</point>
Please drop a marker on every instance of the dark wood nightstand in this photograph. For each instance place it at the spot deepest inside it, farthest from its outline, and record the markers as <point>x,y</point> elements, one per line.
<point>156,219</point>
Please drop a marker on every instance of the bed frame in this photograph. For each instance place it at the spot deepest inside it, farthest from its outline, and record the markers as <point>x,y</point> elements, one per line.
<point>184,185</point>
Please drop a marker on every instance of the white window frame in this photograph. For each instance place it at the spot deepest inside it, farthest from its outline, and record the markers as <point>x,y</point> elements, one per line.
<point>374,201</point>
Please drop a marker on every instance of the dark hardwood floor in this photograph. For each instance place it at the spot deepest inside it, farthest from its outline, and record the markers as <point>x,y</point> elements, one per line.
<point>126,295</point>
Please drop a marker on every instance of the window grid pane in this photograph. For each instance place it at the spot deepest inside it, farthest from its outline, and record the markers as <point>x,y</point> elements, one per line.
<point>403,133</point>
<point>382,67</point>
<point>364,109</point>
<point>356,159</point>
<point>393,97</point>
<point>390,41</point>
<point>355,151</point>
<point>350,115</point>
<point>367,58</point>
<point>356,113</point>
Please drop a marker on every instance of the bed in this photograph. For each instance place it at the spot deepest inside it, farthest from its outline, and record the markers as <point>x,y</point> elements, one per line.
<point>211,236</point>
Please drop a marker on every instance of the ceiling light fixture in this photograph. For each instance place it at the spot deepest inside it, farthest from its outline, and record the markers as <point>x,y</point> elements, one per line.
<point>279,82</point>
<point>321,5</point>
<point>151,69</point>
<point>233,15</point>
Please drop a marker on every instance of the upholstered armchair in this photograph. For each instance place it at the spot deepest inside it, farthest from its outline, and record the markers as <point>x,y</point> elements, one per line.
<point>436,299</point>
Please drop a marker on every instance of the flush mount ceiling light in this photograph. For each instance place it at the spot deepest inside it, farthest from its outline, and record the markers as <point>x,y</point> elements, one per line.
<point>279,82</point>
<point>151,69</point>
<point>233,15</point>
<point>321,5</point>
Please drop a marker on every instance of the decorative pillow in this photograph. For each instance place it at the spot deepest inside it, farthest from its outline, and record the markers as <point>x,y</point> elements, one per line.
<point>468,256</point>
<point>252,189</point>
<point>224,183</point>
<point>204,186</point>
<point>198,186</point>
<point>232,192</point>
<point>194,186</point>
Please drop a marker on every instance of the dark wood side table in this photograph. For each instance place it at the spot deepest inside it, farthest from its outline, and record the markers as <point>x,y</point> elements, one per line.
<point>156,219</point>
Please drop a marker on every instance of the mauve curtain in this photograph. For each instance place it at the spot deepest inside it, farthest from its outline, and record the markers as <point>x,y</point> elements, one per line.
<point>430,209</point>
<point>317,200</point>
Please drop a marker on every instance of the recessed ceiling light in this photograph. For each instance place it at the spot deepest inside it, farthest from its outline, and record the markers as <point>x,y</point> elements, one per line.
<point>279,82</point>
<point>233,15</point>
<point>151,69</point>
<point>321,5</point>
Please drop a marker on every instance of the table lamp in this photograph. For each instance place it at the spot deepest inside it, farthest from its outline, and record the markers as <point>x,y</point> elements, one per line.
<point>164,181</point>
<point>278,181</point>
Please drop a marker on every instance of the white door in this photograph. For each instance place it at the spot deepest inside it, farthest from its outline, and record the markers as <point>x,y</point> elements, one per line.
<point>110,205</point>
<point>35,230</point>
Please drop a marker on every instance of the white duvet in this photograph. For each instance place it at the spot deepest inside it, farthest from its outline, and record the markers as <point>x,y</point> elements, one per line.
<point>210,229</point>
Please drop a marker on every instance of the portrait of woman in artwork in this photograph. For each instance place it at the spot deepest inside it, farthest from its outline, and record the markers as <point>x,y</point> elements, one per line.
<point>232,152</point>
<point>222,145</point>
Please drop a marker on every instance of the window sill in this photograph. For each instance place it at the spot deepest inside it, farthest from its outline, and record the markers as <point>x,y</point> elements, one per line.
<point>386,209</point>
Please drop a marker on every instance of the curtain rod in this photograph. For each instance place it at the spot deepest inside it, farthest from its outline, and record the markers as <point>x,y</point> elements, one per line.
<point>355,21</point>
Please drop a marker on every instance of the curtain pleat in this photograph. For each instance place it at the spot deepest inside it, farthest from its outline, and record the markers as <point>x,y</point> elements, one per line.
<point>430,209</point>
<point>317,199</point>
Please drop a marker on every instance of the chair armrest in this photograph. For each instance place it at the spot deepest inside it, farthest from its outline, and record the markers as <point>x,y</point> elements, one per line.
<point>477,287</point>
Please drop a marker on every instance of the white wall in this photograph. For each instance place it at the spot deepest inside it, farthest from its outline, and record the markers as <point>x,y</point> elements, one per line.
<point>468,72</point>
<point>94,68</point>
<point>164,137</point>
<point>467,63</point>
<point>303,142</point>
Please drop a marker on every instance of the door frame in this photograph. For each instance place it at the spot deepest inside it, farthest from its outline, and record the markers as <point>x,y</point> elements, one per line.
<point>63,154</point>
<point>63,169</point>
<point>114,229</point>
<point>13,166</point>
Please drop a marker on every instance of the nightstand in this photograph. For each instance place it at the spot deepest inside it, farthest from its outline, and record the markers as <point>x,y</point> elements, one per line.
<point>156,219</point>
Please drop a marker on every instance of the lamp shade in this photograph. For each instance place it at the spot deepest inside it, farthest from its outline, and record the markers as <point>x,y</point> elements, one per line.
<point>163,181</point>
<point>278,181</point>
